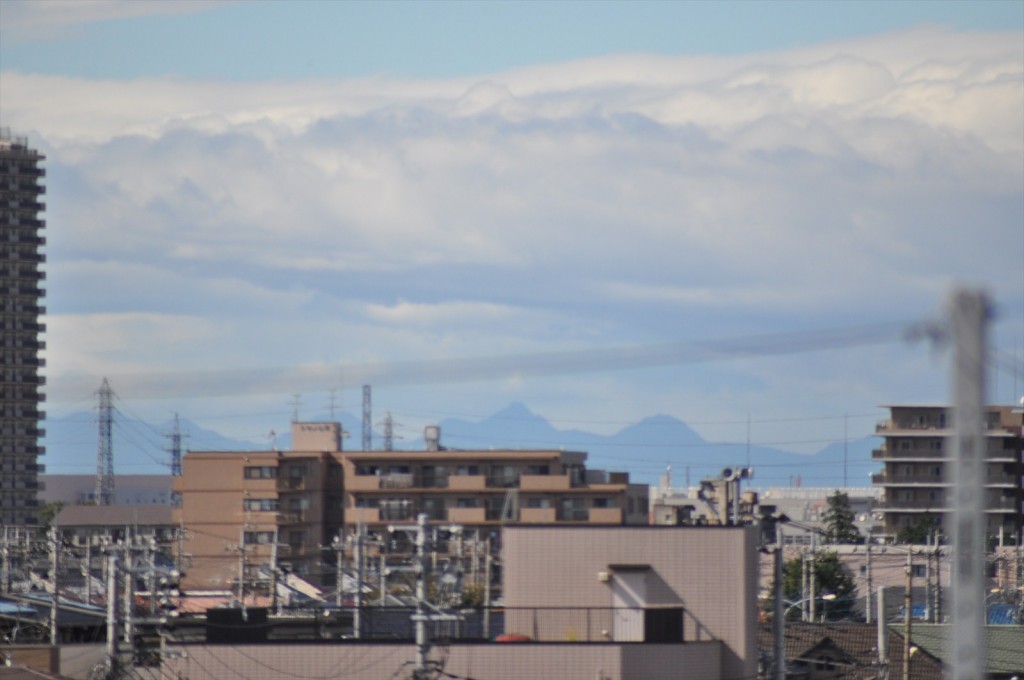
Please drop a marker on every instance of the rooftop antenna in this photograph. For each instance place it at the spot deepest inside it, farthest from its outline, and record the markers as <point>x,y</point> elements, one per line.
<point>105,451</point>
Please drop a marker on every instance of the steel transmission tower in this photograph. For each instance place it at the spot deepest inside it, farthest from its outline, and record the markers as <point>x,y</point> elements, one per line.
<point>175,447</point>
<point>367,420</point>
<point>105,451</point>
<point>389,432</point>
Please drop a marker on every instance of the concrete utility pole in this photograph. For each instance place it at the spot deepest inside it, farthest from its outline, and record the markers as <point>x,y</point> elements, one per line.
<point>968,315</point>
<point>111,657</point>
<point>867,595</point>
<point>420,618</point>
<point>883,635</point>
<point>55,599</point>
<point>908,601</point>
<point>779,622</point>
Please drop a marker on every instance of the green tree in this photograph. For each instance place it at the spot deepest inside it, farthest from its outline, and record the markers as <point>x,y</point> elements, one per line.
<point>919,531</point>
<point>839,520</point>
<point>833,579</point>
<point>48,512</point>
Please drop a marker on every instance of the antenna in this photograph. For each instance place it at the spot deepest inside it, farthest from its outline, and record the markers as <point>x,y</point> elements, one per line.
<point>105,450</point>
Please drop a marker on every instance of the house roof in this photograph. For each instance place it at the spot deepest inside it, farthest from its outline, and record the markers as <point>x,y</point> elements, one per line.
<point>852,648</point>
<point>114,515</point>
<point>1003,645</point>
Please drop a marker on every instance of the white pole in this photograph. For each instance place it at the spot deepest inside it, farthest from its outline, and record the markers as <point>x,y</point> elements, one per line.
<point>968,312</point>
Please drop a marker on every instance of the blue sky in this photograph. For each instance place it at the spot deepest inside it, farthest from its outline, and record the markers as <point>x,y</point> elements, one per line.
<point>718,211</point>
<point>303,39</point>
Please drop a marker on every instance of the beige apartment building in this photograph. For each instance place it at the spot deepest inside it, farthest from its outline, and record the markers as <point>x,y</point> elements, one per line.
<point>916,478</point>
<point>246,512</point>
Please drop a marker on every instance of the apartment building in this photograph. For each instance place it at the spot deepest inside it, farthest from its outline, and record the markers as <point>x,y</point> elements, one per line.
<point>20,294</point>
<point>917,475</point>
<point>245,512</point>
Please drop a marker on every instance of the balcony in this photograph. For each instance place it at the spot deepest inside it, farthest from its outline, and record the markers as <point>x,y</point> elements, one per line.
<point>354,516</point>
<point>537,515</point>
<point>292,517</point>
<point>605,515</point>
<point>467,482</point>
<point>396,480</point>
<point>503,481</point>
<point>883,479</point>
<point>467,515</point>
<point>362,483</point>
<point>545,483</point>
<point>291,483</point>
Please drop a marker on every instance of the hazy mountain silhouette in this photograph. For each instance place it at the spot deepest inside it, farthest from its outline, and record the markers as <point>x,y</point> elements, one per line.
<point>644,449</point>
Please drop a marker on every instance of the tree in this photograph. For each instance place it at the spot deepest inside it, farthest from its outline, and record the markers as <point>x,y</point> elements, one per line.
<point>48,512</point>
<point>919,531</point>
<point>839,520</point>
<point>833,578</point>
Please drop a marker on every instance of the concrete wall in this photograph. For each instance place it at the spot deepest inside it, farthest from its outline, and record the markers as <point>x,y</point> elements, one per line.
<point>491,661</point>
<point>710,571</point>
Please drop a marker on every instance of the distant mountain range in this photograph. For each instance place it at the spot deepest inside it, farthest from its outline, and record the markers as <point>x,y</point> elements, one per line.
<point>645,449</point>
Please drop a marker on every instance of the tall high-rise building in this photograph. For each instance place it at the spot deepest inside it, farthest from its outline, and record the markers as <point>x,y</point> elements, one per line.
<point>21,292</point>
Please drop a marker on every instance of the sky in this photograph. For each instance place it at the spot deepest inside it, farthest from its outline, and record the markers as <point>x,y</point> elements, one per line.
<point>733,213</point>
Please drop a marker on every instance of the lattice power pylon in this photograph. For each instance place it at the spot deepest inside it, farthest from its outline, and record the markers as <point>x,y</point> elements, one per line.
<point>105,451</point>
<point>367,420</point>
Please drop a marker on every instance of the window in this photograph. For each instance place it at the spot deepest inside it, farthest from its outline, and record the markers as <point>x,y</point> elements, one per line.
<point>259,537</point>
<point>261,504</point>
<point>368,470</point>
<point>538,469</point>
<point>465,503</point>
<point>295,471</point>
<point>917,570</point>
<point>468,470</point>
<point>301,503</point>
<point>602,503</point>
<point>260,472</point>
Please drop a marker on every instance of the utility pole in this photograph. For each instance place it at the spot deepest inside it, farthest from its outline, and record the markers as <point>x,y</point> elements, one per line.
<point>969,312</point>
<point>907,607</point>
<point>55,599</point>
<point>883,635</point>
<point>420,618</point>
<point>487,590</point>
<point>339,571</point>
<point>5,566</point>
<point>779,622</point>
<point>357,621</point>
<point>111,660</point>
<point>867,596</point>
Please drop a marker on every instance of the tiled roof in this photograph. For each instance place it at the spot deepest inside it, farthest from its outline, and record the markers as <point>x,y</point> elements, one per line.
<point>1004,645</point>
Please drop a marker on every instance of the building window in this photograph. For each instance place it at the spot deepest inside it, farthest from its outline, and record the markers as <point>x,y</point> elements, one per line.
<point>259,537</point>
<point>468,470</point>
<point>538,469</point>
<point>260,472</point>
<point>603,503</point>
<point>301,503</point>
<point>261,504</point>
<point>295,471</point>
<point>466,503</point>
<point>366,470</point>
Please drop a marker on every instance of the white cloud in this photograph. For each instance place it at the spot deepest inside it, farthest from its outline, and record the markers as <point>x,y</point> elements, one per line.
<point>24,20</point>
<point>605,202</point>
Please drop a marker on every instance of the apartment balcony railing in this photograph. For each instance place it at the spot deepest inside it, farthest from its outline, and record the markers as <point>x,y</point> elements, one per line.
<point>537,515</point>
<point>467,515</point>
<point>545,483</point>
<point>467,482</point>
<point>605,515</point>
<point>503,481</point>
<point>396,480</point>
<point>291,483</point>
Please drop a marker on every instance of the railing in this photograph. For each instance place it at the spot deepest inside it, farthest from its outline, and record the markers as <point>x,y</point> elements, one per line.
<point>584,625</point>
<point>396,481</point>
<point>503,481</point>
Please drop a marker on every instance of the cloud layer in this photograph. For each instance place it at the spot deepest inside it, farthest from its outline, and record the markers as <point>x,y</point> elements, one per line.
<point>628,200</point>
